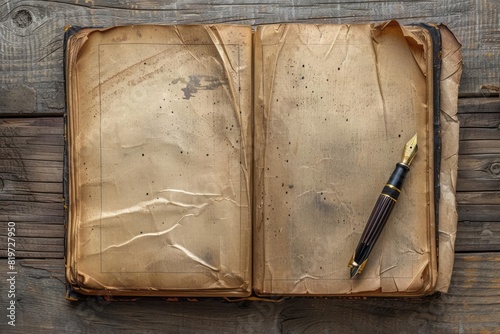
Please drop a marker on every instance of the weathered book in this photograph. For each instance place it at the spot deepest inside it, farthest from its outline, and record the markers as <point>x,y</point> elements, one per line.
<point>214,160</point>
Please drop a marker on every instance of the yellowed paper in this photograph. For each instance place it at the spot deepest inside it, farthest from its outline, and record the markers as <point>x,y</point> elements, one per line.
<point>160,160</point>
<point>451,70</point>
<point>334,106</point>
<point>160,149</point>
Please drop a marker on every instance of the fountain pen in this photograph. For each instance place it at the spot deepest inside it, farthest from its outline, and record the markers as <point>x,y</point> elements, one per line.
<point>383,207</point>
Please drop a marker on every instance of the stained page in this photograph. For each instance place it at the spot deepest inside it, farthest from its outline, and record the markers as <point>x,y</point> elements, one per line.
<point>334,107</point>
<point>160,160</point>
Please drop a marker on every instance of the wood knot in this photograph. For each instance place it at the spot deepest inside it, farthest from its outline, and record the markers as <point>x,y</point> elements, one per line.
<point>495,168</point>
<point>23,18</point>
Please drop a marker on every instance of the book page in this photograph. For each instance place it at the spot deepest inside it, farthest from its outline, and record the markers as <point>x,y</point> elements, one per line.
<point>160,160</point>
<point>334,107</point>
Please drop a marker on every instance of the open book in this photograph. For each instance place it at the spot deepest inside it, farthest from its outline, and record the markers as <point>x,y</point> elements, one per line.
<point>211,160</point>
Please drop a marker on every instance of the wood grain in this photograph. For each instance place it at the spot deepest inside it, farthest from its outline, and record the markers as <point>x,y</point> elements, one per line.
<point>480,146</point>
<point>478,183</point>
<point>478,236</point>
<point>479,133</point>
<point>31,34</point>
<point>467,106</point>
<point>479,175</point>
<point>479,120</point>
<point>478,172</point>
<point>471,306</point>
<point>31,162</point>
<point>476,198</point>
<point>32,83</point>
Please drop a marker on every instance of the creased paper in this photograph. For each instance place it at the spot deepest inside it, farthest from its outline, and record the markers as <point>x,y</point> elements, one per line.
<point>451,70</point>
<point>160,160</point>
<point>334,106</point>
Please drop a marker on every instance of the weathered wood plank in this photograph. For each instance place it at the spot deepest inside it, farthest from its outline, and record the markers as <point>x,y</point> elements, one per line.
<point>34,240</point>
<point>40,165</point>
<point>478,172</point>
<point>479,212</point>
<point>477,184</point>
<point>479,129</point>
<point>479,160</point>
<point>478,105</point>
<point>24,187</point>
<point>486,163</point>
<point>31,164</point>
<point>471,306</point>
<point>475,198</point>
<point>480,146</point>
<point>478,236</point>
<point>479,120</point>
<point>35,245</point>
<point>32,212</point>
<point>31,34</point>
<point>29,127</point>
<point>29,141</point>
<point>32,197</point>
<point>479,134</point>
<point>36,230</point>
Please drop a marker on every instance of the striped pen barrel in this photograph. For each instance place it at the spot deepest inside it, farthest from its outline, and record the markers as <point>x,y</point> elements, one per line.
<point>382,209</point>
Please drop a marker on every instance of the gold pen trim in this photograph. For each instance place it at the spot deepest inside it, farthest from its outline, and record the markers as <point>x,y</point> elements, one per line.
<point>392,187</point>
<point>395,200</point>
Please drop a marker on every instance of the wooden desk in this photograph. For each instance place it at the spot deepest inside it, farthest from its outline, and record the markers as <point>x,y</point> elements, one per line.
<point>31,154</point>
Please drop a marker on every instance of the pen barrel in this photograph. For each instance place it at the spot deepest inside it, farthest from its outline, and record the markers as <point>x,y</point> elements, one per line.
<point>381,212</point>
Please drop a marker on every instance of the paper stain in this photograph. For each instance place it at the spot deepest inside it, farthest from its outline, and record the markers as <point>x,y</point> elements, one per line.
<point>196,82</point>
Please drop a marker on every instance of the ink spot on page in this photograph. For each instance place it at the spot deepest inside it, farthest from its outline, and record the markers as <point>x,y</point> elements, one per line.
<point>195,83</point>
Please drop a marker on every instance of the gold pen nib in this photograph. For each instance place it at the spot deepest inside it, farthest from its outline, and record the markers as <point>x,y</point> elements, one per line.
<point>356,268</point>
<point>410,151</point>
